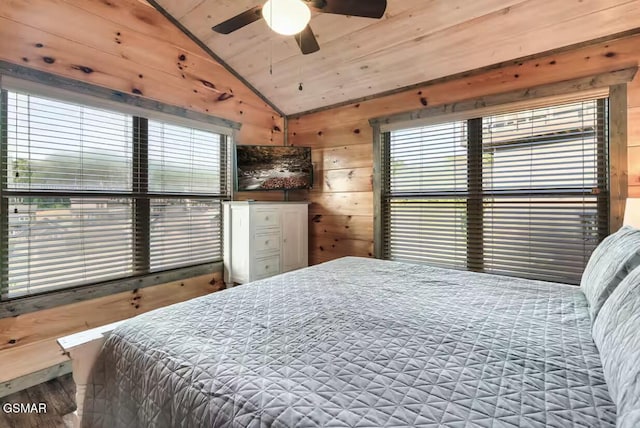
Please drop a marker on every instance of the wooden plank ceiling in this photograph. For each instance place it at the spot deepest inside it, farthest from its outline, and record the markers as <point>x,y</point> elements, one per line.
<point>416,41</point>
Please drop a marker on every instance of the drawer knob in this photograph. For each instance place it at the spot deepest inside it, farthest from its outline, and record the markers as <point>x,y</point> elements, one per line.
<point>266,218</point>
<point>266,242</point>
<point>266,267</point>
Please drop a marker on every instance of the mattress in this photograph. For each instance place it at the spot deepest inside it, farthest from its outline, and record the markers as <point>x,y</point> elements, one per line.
<point>360,343</point>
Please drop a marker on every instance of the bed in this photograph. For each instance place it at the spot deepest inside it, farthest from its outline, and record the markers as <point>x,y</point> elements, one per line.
<point>359,342</point>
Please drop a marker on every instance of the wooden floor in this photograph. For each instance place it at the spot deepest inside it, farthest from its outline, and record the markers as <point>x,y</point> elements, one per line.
<point>58,394</point>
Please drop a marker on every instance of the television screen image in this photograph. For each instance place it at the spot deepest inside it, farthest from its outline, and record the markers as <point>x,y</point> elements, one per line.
<point>273,168</point>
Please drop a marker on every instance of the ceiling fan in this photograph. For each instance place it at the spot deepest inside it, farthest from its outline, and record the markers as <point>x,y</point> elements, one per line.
<point>291,17</point>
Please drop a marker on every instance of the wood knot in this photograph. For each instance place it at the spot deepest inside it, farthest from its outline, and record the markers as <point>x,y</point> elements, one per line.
<point>208,84</point>
<point>83,68</point>
<point>48,59</point>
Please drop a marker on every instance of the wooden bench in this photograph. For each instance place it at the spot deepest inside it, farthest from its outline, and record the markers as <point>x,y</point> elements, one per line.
<point>83,349</point>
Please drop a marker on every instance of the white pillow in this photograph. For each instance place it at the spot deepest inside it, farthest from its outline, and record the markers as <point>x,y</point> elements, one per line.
<point>616,333</point>
<point>609,264</point>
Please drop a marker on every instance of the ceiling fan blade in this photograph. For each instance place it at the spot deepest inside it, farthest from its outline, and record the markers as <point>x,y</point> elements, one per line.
<point>239,21</point>
<point>307,41</point>
<point>364,8</point>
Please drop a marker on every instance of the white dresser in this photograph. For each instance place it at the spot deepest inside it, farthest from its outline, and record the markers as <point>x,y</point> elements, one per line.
<point>262,239</point>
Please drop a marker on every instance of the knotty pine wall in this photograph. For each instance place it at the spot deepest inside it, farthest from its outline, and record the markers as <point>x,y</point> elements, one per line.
<point>341,210</point>
<point>127,45</point>
<point>28,341</point>
<point>124,45</point>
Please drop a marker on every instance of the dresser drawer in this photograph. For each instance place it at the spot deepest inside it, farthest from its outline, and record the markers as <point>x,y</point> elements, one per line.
<point>267,267</point>
<point>266,218</point>
<point>267,242</point>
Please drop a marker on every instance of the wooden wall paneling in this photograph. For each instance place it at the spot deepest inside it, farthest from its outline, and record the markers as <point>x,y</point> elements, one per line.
<point>352,155</point>
<point>519,74</point>
<point>343,203</point>
<point>68,58</point>
<point>490,104</point>
<point>331,133</point>
<point>359,227</point>
<point>34,326</point>
<point>634,170</point>
<point>318,257</point>
<point>380,147</point>
<point>115,47</point>
<point>633,119</point>
<point>28,341</point>
<point>261,135</point>
<point>337,124</point>
<point>344,180</point>
<point>618,157</point>
<point>633,92</point>
<point>336,247</point>
<point>112,37</point>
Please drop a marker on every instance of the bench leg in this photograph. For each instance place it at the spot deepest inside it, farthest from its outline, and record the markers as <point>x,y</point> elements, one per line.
<point>83,358</point>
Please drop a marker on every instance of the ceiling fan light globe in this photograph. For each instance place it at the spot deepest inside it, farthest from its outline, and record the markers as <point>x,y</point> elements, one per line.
<point>286,17</point>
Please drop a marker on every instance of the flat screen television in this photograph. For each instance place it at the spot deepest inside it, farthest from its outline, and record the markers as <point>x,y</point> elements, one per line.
<point>273,168</point>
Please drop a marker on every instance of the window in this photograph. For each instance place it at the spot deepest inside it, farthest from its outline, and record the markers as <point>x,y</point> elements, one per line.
<point>90,195</point>
<point>522,194</point>
<point>182,163</point>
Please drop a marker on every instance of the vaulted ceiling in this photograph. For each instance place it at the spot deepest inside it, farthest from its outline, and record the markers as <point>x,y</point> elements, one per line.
<point>416,41</point>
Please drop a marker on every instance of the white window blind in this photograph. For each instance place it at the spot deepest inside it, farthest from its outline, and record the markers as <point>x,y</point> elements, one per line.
<point>59,233</point>
<point>522,193</point>
<point>426,193</point>
<point>90,195</point>
<point>184,161</point>
<point>544,180</point>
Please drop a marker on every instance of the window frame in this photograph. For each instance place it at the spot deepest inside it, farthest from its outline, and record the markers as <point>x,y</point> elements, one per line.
<point>37,83</point>
<point>613,85</point>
